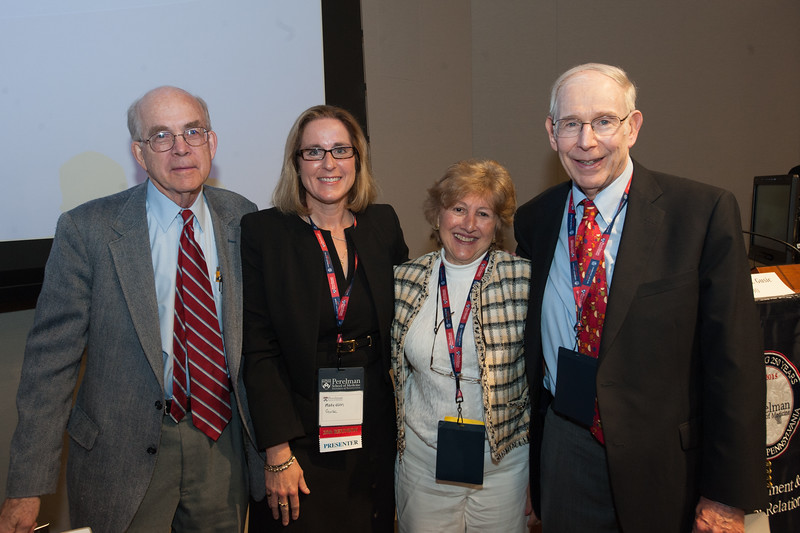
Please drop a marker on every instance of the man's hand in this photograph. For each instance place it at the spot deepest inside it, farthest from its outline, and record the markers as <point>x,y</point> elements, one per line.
<point>18,515</point>
<point>715,517</point>
<point>533,520</point>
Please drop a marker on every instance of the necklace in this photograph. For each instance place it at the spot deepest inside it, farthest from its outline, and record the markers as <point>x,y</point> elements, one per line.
<point>342,254</point>
<point>307,219</point>
<point>343,261</point>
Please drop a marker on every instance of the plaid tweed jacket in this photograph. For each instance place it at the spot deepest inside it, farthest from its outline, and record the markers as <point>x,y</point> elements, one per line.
<point>500,305</point>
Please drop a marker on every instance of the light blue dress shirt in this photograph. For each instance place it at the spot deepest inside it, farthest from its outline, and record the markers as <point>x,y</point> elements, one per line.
<point>165,224</point>
<point>559,311</point>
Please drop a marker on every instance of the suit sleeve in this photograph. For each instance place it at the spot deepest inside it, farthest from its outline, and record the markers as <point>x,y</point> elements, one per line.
<point>734,388</point>
<point>520,233</point>
<point>50,368</point>
<point>269,393</point>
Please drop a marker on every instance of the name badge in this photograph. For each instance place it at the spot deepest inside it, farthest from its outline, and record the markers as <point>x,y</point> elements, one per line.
<point>460,450</point>
<point>576,387</point>
<point>341,408</point>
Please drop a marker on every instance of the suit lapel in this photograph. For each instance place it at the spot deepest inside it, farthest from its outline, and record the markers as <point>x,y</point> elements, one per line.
<point>642,223</point>
<point>134,267</point>
<point>305,275</point>
<point>227,235</point>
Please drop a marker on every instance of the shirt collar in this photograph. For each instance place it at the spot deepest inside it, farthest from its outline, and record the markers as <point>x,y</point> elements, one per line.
<point>452,266</point>
<point>166,212</point>
<point>607,201</point>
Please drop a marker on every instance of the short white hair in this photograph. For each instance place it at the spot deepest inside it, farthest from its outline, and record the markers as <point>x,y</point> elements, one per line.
<point>615,73</point>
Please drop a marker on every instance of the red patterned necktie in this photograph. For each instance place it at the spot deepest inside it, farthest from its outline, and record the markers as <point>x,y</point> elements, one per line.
<point>197,342</point>
<point>593,314</point>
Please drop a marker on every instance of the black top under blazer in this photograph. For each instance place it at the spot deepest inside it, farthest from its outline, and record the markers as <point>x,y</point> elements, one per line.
<point>283,276</point>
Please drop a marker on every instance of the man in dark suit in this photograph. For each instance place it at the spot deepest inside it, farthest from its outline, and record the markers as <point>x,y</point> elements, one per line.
<point>657,422</point>
<point>111,291</point>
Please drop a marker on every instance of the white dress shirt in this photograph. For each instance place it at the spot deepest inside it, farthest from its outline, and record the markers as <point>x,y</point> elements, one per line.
<point>559,310</point>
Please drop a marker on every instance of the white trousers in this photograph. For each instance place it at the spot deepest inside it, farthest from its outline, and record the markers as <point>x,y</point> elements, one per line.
<point>425,505</point>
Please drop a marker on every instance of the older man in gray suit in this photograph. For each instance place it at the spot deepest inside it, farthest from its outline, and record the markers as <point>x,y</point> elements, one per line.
<point>151,449</point>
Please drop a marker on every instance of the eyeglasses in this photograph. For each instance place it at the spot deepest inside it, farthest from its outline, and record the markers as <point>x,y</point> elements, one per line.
<point>165,140</point>
<point>318,154</point>
<point>602,126</point>
<point>447,371</point>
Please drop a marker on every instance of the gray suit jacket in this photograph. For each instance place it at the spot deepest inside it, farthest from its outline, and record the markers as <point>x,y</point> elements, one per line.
<point>99,298</point>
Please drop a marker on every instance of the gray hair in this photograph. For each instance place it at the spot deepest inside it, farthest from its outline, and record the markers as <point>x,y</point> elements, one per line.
<point>615,73</point>
<point>134,111</point>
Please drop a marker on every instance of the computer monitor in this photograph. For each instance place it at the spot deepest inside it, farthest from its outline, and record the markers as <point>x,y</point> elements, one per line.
<point>774,222</point>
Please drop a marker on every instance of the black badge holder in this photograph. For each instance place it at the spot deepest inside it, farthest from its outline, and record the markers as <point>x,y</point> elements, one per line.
<point>576,386</point>
<point>459,453</point>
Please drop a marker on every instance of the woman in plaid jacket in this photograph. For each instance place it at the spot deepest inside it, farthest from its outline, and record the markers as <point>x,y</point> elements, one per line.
<point>470,473</point>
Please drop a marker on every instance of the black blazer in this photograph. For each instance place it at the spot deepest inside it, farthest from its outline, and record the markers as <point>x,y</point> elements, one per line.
<point>680,380</point>
<point>282,279</point>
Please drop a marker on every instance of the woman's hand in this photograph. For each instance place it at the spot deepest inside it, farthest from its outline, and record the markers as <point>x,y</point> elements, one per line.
<point>283,487</point>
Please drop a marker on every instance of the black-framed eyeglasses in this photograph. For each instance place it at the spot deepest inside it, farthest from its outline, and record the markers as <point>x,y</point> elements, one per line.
<point>163,141</point>
<point>318,154</point>
<point>602,126</point>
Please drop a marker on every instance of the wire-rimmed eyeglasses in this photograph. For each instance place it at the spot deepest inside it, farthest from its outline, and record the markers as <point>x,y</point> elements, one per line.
<point>602,126</point>
<point>163,141</point>
<point>446,371</point>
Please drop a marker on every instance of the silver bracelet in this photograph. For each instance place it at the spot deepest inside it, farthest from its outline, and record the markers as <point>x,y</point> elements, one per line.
<point>281,467</point>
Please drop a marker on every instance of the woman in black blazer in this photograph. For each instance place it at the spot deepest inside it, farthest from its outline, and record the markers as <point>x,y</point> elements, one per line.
<point>318,297</point>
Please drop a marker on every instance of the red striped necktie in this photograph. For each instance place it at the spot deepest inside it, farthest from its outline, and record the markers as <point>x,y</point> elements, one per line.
<point>197,342</point>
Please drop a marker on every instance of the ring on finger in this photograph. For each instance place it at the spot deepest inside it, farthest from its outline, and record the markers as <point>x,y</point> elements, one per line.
<point>283,505</point>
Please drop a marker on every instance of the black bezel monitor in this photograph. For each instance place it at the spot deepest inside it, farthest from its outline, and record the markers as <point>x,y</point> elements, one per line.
<point>774,219</point>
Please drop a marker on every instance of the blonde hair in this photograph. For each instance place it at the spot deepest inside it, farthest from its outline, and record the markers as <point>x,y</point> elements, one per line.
<point>290,195</point>
<point>484,177</point>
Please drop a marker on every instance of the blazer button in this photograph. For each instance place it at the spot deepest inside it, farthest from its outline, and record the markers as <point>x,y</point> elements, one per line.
<point>152,450</point>
<point>159,405</point>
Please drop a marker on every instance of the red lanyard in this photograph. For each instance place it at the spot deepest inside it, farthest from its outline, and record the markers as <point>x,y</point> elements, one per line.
<point>454,341</point>
<point>339,302</point>
<point>580,287</point>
